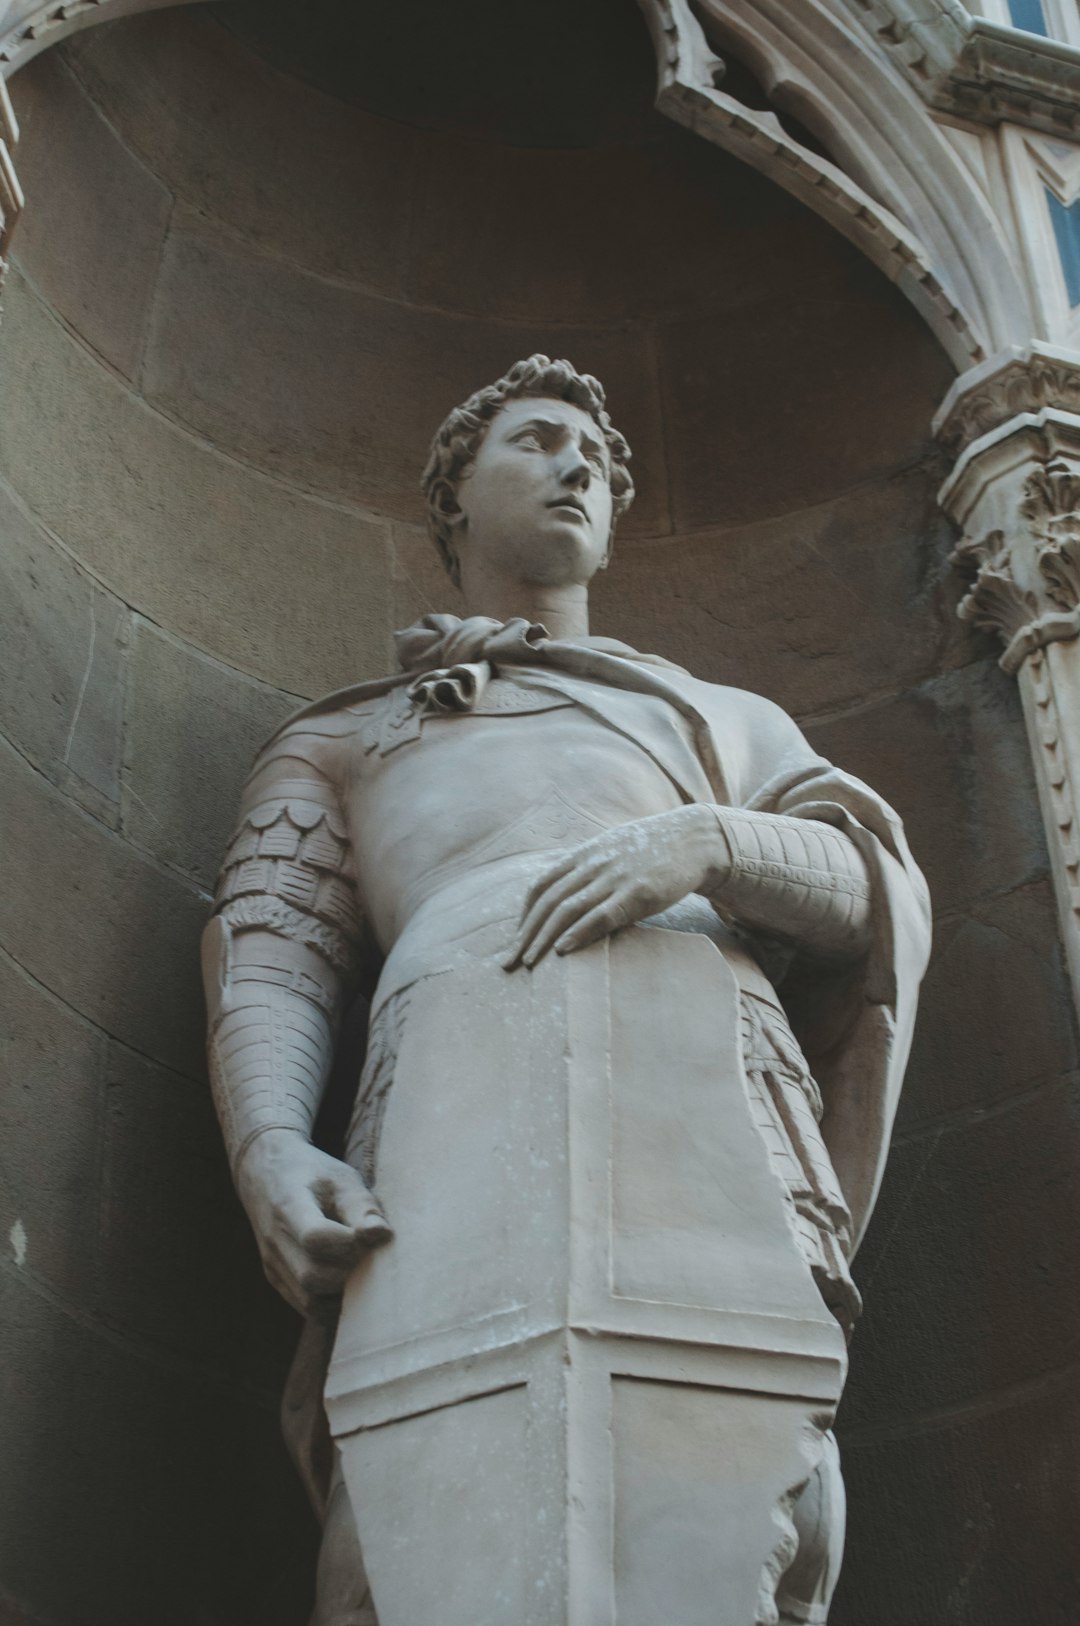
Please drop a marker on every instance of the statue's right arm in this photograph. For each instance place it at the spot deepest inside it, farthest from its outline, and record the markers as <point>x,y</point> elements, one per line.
<point>280,960</point>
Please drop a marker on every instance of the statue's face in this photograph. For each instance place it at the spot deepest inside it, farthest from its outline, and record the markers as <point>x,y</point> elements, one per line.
<point>537,500</point>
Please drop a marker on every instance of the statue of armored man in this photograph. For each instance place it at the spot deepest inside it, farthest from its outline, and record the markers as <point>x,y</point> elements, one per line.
<point>642,971</point>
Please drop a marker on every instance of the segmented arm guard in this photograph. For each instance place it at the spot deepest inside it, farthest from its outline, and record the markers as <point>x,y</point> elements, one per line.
<point>279,958</point>
<point>796,879</point>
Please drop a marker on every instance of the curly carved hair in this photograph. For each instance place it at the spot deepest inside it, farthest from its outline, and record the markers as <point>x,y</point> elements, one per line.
<point>457,442</point>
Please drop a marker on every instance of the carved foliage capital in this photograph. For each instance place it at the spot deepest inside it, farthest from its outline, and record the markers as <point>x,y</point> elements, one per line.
<point>1027,588</point>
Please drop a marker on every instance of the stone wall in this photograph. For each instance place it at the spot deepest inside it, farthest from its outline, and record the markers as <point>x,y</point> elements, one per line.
<point>241,305</point>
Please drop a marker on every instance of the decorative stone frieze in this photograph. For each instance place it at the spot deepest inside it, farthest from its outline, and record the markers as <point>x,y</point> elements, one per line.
<point>1018,382</point>
<point>1015,494</point>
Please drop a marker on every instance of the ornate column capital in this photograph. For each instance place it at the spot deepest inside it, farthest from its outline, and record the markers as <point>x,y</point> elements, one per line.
<point>1014,426</point>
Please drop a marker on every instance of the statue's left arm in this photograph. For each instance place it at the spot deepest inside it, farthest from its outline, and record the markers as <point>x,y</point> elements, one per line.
<point>793,849</point>
<point>796,879</point>
<point>800,880</point>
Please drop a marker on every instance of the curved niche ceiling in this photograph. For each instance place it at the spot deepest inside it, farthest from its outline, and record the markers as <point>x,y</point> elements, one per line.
<point>558,75</point>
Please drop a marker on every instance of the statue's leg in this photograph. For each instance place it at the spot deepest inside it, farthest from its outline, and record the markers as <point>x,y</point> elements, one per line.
<point>342,1594</point>
<point>806,1589</point>
<point>343,1597</point>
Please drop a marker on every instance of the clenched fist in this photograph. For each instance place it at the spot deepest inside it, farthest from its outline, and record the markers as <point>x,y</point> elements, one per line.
<point>313,1218</point>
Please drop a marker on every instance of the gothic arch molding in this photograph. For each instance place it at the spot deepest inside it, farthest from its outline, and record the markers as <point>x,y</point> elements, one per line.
<point>27,27</point>
<point>892,184</point>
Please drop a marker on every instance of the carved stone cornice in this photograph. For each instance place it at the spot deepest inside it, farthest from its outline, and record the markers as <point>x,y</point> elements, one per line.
<point>976,68</point>
<point>1020,381</point>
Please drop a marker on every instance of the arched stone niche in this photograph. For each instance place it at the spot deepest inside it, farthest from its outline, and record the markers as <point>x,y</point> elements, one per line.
<point>242,299</point>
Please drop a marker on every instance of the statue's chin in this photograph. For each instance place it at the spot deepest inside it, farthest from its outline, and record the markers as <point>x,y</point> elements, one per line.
<point>566,556</point>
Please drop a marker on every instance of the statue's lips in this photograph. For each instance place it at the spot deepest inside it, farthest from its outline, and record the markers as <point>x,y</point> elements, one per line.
<point>569,504</point>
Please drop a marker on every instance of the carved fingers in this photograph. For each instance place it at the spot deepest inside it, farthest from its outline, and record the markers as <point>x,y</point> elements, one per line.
<point>619,877</point>
<point>313,1218</point>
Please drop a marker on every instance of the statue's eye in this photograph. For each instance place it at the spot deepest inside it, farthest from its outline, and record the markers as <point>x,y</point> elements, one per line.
<point>530,440</point>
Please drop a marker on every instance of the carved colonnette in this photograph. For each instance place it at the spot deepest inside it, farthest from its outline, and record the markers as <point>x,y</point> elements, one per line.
<point>11,194</point>
<point>1014,426</point>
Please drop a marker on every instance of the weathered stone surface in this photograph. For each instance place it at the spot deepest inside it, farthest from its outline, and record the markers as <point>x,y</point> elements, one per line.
<point>995,1017</point>
<point>101,926</point>
<point>816,608</point>
<point>952,758</point>
<point>51,1089</point>
<point>421,585</point>
<point>578,77</point>
<point>333,387</point>
<point>64,642</point>
<point>167,1200</point>
<point>92,238</point>
<point>13,1614</point>
<point>292,589</point>
<point>801,419</point>
<point>167,1490</point>
<point>544,233</point>
<point>969,1519</point>
<point>970,1259</point>
<point>114,1180</point>
<point>305,177</point>
<point>193,727</point>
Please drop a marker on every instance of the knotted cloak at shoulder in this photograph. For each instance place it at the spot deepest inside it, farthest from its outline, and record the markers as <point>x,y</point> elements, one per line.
<point>854,1023</point>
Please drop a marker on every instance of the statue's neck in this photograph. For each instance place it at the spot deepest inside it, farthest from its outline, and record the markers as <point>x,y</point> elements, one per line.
<point>564,611</point>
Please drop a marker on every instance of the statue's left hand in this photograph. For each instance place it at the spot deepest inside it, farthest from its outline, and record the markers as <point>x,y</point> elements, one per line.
<point>619,877</point>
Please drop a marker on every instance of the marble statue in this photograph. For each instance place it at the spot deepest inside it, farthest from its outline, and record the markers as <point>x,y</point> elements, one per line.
<point>642,971</point>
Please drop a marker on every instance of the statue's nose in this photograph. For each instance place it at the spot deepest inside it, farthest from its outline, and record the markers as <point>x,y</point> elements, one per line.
<point>575,472</point>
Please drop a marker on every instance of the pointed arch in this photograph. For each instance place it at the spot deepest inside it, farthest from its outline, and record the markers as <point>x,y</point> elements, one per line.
<point>893,183</point>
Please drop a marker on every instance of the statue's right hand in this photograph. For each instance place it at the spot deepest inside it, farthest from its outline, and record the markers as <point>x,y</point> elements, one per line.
<point>313,1218</point>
